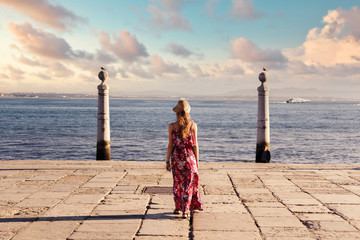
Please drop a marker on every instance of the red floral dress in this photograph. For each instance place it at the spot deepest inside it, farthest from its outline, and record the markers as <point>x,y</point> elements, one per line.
<point>185,173</point>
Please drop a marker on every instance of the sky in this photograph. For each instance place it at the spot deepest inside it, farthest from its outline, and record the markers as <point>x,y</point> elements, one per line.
<point>194,47</point>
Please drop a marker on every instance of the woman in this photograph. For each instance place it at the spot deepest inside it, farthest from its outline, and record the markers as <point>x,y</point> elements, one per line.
<point>184,153</point>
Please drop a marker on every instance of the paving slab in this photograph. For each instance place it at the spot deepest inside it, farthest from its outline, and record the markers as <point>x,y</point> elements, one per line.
<point>47,230</point>
<point>120,226</point>
<point>49,194</point>
<point>226,235</point>
<point>279,221</point>
<point>308,209</point>
<point>326,235</point>
<point>129,205</point>
<point>352,188</point>
<point>161,238</point>
<point>165,227</point>
<point>156,213</point>
<point>13,197</point>
<point>287,232</point>
<point>38,202</point>
<point>265,204</point>
<point>101,236</point>
<point>348,211</point>
<point>84,198</point>
<point>220,222</point>
<point>219,189</point>
<point>338,198</point>
<point>266,212</point>
<point>6,235</point>
<point>13,225</point>
<point>319,217</point>
<point>302,201</point>
<point>70,210</point>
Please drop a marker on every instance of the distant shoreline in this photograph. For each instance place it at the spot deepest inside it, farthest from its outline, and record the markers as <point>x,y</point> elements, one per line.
<point>139,97</point>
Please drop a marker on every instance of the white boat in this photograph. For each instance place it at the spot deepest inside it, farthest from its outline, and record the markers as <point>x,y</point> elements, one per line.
<point>298,100</point>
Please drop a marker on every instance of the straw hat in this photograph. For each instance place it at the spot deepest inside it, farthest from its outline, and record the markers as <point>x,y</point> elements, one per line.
<point>182,105</point>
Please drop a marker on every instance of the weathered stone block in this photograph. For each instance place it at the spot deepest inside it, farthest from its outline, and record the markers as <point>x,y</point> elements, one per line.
<point>221,222</point>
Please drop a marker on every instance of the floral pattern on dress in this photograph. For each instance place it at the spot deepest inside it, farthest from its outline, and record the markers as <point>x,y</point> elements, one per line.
<point>185,173</point>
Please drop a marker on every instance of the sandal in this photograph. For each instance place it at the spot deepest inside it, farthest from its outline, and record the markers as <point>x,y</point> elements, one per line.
<point>186,215</point>
<point>176,211</point>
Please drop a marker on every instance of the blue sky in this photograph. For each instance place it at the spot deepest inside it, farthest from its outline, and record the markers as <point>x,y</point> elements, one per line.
<point>191,47</point>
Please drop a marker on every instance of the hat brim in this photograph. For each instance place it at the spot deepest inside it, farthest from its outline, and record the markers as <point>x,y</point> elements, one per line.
<point>176,109</point>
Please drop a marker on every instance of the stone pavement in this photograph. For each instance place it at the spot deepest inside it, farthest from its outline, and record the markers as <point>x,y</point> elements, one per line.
<point>132,200</point>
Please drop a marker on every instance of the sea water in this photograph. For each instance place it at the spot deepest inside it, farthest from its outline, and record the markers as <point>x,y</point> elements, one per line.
<point>65,129</point>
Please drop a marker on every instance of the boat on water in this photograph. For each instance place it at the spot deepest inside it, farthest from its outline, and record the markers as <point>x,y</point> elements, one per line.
<point>298,100</point>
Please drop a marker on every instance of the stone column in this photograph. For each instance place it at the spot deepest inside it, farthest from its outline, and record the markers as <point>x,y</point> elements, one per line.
<point>263,122</point>
<point>103,128</point>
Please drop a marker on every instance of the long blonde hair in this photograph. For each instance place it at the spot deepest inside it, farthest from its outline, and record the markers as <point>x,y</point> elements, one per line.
<point>184,121</point>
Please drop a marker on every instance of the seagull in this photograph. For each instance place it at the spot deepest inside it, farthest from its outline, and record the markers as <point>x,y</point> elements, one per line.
<point>264,69</point>
<point>103,68</point>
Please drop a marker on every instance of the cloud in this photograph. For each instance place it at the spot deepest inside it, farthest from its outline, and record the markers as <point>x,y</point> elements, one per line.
<point>125,46</point>
<point>179,50</point>
<point>14,73</point>
<point>211,7</point>
<point>356,58</point>
<point>104,57</point>
<point>42,76</point>
<point>3,76</point>
<point>55,53</point>
<point>60,71</point>
<point>234,70</point>
<point>337,43</point>
<point>159,66</point>
<point>244,10</point>
<point>121,73</point>
<point>299,68</point>
<point>339,23</point>
<point>168,15</point>
<point>30,62</point>
<point>86,78</point>
<point>40,42</point>
<point>352,19</point>
<point>140,72</point>
<point>247,51</point>
<point>196,70</point>
<point>54,16</point>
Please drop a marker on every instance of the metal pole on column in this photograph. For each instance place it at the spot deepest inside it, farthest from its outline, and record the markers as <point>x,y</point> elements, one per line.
<point>263,122</point>
<point>103,127</point>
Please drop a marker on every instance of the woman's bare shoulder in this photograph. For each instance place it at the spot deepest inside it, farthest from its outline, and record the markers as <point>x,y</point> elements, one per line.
<point>172,125</point>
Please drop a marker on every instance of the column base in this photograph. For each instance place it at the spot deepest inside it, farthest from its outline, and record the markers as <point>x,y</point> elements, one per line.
<point>103,150</point>
<point>260,151</point>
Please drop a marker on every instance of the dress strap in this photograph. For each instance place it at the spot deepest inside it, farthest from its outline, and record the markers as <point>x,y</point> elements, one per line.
<point>192,123</point>
<point>174,128</point>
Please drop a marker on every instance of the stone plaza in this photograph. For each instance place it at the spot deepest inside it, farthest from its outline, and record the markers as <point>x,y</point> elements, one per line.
<point>133,200</point>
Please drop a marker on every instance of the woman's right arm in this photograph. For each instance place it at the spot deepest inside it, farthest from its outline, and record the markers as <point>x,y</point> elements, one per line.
<point>196,146</point>
<point>170,148</point>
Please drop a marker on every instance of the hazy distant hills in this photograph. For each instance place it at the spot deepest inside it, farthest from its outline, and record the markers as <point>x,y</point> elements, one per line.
<point>310,93</point>
<point>251,94</point>
<point>242,94</point>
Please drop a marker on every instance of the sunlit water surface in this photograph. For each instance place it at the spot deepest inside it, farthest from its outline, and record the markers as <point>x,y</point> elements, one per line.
<point>56,129</point>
